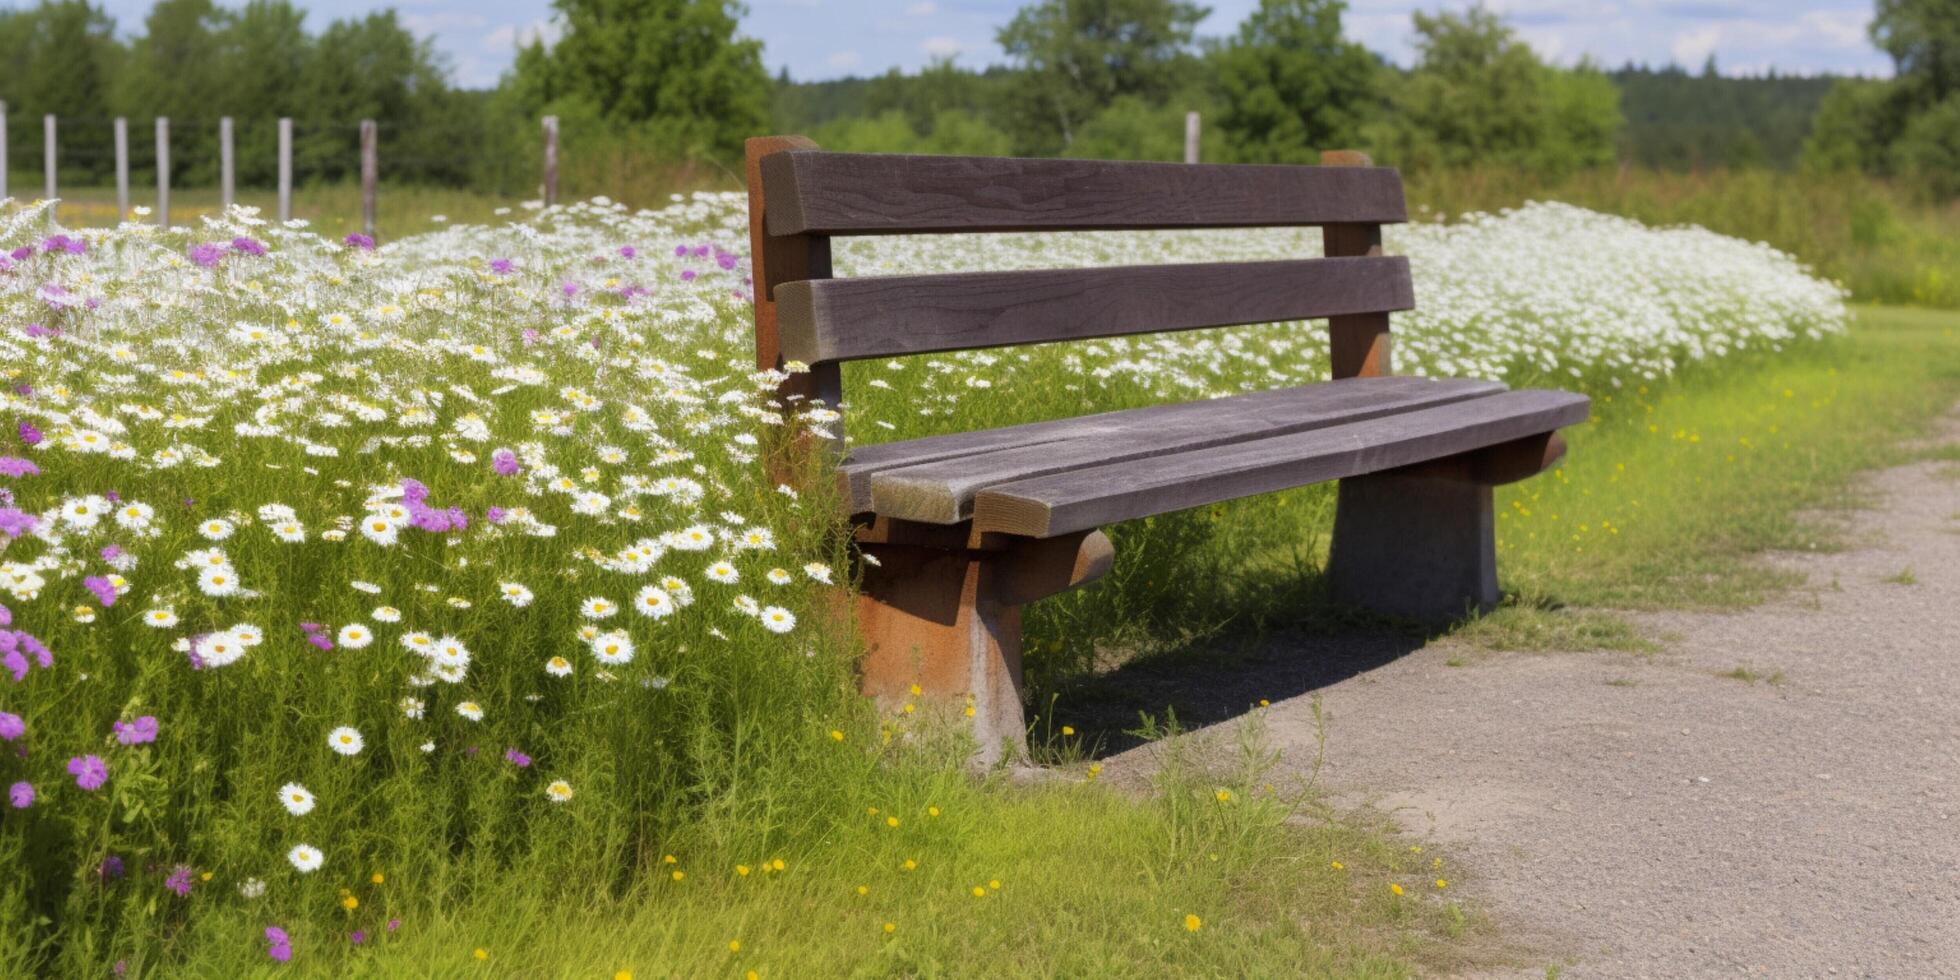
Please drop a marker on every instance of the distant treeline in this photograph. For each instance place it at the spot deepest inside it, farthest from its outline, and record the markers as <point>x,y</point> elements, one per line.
<point>641,85</point>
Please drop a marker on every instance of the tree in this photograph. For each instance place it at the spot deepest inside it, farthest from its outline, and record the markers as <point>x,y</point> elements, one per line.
<point>60,57</point>
<point>1078,56</point>
<point>1479,96</point>
<point>1923,39</point>
<point>1290,85</point>
<point>671,69</point>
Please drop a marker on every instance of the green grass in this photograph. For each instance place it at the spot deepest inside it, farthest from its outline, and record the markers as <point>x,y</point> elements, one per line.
<point>1075,878</point>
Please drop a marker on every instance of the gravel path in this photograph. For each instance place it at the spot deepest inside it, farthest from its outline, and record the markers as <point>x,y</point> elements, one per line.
<point>1641,816</point>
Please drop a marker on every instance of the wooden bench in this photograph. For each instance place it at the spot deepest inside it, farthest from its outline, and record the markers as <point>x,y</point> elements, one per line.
<point>966,528</point>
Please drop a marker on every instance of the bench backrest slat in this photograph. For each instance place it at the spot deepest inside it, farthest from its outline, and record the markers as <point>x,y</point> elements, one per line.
<point>824,320</point>
<point>823,193</point>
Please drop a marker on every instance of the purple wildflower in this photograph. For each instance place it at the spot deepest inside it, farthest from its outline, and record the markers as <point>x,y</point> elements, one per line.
<point>394,924</point>
<point>700,250</point>
<point>22,253</point>
<point>37,330</point>
<point>504,462</point>
<point>358,937</point>
<point>569,288</point>
<point>90,771</point>
<point>250,246</point>
<point>319,640</point>
<point>21,795</point>
<point>16,467</point>
<point>355,239</point>
<point>110,869</point>
<point>15,522</point>
<point>516,758</point>
<point>111,552</point>
<point>29,434</point>
<point>495,515</point>
<point>414,491</point>
<point>687,275</point>
<point>179,881</point>
<point>279,946</point>
<point>105,590</point>
<point>627,251</point>
<point>11,726</point>
<point>725,259</point>
<point>502,267</point>
<point>63,243</point>
<point>207,254</point>
<point>142,731</point>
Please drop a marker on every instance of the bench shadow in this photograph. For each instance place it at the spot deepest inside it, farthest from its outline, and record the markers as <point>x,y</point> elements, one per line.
<point>1210,683</point>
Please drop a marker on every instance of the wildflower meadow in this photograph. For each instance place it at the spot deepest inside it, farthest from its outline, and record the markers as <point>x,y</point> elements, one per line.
<point>340,582</point>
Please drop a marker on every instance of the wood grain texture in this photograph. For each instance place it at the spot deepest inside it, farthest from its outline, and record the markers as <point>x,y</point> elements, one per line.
<point>1359,344</point>
<point>864,462</point>
<point>826,320</point>
<point>886,194</point>
<point>942,491</point>
<point>1058,504</point>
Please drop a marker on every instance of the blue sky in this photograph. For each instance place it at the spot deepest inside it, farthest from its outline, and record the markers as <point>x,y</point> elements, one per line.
<point>830,38</point>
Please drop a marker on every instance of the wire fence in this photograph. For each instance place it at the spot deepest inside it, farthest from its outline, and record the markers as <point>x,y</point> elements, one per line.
<point>144,160</point>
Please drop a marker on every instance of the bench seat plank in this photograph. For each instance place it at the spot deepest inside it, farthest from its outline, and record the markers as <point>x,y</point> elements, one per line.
<point>941,491</point>
<point>864,462</point>
<point>1100,495</point>
<point>824,320</point>
<point>813,192</point>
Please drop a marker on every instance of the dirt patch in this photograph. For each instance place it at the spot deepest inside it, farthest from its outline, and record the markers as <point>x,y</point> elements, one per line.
<point>1775,793</point>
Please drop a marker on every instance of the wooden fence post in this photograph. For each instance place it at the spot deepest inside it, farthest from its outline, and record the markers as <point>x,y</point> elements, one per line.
<point>550,160</point>
<point>1191,137</point>
<point>285,168</point>
<point>122,169</point>
<point>3,149</point>
<point>225,166</point>
<point>47,156</point>
<point>163,171</point>
<point>370,174</point>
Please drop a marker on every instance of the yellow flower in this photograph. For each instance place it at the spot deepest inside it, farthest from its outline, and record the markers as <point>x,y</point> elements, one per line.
<point>932,811</point>
<point>678,875</point>
<point>836,736</point>
<point>752,975</point>
<point>734,945</point>
<point>777,864</point>
<point>481,953</point>
<point>1397,889</point>
<point>742,869</point>
<point>1440,883</point>
<point>916,691</point>
<point>350,903</point>
<point>669,859</point>
<point>891,821</point>
<point>891,927</point>
<point>1095,769</point>
<point>1067,730</point>
<point>911,865</point>
<point>376,878</point>
<point>1193,923</point>
<point>1263,703</point>
<point>1338,866</point>
<point>864,889</point>
<point>994,884</point>
<point>909,708</point>
<point>623,975</point>
<point>969,711</point>
<point>979,892</point>
<point>1224,796</point>
<point>205,876</point>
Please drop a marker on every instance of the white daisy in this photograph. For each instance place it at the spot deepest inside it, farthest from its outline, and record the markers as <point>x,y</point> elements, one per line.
<point>776,619</point>
<point>612,648</point>
<point>387,614</point>
<point>597,608</point>
<point>345,740</point>
<point>163,618</point>
<point>470,710</point>
<point>515,594</point>
<point>218,582</point>
<point>559,791</point>
<point>306,858</point>
<point>724,573</point>
<point>654,601</point>
<point>354,636</point>
<point>779,576</point>
<point>558,667</point>
<point>297,800</point>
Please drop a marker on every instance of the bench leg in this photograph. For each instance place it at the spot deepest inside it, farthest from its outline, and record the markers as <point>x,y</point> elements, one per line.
<point>932,618</point>
<point>1416,543</point>
<point>949,621</point>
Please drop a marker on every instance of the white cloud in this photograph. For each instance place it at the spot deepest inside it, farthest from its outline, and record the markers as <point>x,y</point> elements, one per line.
<point>509,37</point>
<point>924,9</point>
<point>1694,47</point>
<point>942,46</point>
<point>1838,28</point>
<point>843,60</point>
